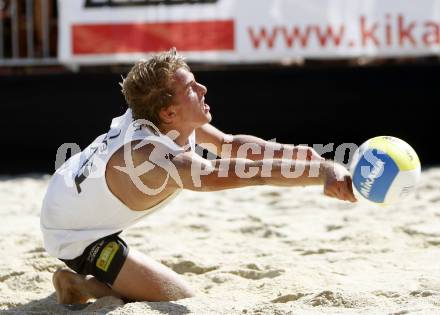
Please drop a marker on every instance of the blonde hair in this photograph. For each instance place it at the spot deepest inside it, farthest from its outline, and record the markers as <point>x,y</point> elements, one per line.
<point>148,86</point>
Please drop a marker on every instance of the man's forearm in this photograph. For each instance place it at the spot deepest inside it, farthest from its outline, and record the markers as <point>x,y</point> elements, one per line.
<point>235,173</point>
<point>293,172</point>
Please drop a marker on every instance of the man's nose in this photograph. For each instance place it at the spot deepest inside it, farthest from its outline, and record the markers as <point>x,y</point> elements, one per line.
<point>203,89</point>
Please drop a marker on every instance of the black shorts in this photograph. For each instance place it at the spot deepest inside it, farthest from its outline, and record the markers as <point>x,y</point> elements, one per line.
<point>102,259</point>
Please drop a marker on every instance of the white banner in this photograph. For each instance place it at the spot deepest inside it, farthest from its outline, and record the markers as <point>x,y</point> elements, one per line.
<point>246,31</point>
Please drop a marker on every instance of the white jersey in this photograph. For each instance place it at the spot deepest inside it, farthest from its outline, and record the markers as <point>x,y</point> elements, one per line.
<point>79,208</point>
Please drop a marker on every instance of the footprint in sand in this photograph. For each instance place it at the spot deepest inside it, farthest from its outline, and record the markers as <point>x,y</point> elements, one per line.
<point>431,285</point>
<point>187,266</point>
<point>263,230</point>
<point>432,242</point>
<point>319,251</point>
<point>10,275</point>
<point>387,294</point>
<point>288,298</point>
<point>104,302</point>
<point>222,278</point>
<point>199,227</point>
<point>36,250</point>
<point>271,194</point>
<point>329,298</point>
<point>255,274</point>
<point>421,230</point>
<point>40,261</point>
<point>422,293</point>
<point>333,227</point>
<point>26,282</point>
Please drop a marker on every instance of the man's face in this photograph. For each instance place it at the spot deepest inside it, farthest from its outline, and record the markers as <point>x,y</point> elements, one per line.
<point>189,102</point>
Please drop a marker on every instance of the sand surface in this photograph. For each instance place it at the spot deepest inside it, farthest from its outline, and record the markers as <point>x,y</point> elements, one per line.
<point>263,250</point>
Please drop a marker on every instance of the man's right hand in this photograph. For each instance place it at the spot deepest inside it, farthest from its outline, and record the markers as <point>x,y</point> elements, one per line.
<point>337,181</point>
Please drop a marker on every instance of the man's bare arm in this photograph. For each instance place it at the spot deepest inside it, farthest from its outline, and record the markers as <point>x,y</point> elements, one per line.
<point>249,147</point>
<point>203,175</point>
<point>200,174</point>
<point>190,171</point>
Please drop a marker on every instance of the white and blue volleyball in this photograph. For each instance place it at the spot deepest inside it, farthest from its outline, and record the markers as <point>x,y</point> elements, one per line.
<point>384,170</point>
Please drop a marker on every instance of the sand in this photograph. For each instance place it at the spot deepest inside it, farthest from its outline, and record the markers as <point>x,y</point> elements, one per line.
<point>263,250</point>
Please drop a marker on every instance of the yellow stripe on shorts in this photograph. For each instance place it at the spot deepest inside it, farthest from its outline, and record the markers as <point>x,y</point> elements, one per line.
<point>106,256</point>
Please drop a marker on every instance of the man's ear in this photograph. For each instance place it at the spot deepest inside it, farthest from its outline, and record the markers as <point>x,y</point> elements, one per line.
<point>168,114</point>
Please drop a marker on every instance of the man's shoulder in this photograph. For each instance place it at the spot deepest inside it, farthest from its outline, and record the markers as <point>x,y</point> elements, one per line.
<point>135,178</point>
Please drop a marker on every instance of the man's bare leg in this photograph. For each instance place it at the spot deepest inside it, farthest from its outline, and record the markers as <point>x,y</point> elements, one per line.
<point>140,279</point>
<point>143,279</point>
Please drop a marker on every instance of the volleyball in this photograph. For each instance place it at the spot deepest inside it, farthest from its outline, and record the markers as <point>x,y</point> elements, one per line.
<point>384,170</point>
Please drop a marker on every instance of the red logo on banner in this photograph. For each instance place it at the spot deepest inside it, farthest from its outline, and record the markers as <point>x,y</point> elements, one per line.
<point>153,37</point>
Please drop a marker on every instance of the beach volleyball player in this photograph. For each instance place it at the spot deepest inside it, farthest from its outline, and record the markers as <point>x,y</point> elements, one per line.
<point>146,158</point>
